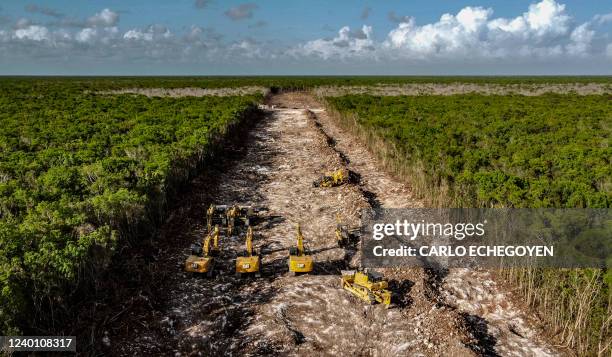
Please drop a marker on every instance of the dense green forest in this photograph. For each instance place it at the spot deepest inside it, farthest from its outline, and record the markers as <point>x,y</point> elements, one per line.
<point>517,151</point>
<point>506,151</point>
<point>80,171</point>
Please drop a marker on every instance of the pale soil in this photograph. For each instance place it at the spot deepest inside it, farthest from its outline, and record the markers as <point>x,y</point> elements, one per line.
<point>458,314</point>
<point>464,88</point>
<point>190,92</point>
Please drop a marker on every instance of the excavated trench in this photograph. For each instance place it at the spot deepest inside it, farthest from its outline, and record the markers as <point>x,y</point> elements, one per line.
<point>272,167</point>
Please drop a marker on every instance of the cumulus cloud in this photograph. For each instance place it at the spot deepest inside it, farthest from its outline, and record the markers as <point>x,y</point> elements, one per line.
<point>242,11</point>
<point>346,44</point>
<point>33,33</point>
<point>545,32</point>
<point>542,31</point>
<point>153,32</point>
<point>104,18</point>
<point>581,39</point>
<point>91,35</point>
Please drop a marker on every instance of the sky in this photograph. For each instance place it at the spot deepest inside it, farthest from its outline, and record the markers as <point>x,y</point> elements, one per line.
<point>315,37</point>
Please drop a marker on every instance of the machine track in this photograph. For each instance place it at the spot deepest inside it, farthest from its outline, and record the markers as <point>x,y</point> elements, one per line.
<point>273,167</point>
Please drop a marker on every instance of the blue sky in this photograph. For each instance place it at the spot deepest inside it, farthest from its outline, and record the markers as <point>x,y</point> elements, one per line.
<point>305,37</point>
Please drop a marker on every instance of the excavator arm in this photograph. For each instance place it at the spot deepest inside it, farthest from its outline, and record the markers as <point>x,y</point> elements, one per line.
<point>300,241</point>
<point>206,247</point>
<point>216,238</point>
<point>210,212</point>
<point>249,242</point>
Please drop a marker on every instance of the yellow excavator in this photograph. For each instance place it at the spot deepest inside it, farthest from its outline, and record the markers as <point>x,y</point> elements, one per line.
<point>202,255</point>
<point>369,286</point>
<point>227,216</point>
<point>336,178</point>
<point>232,213</point>
<point>250,260</point>
<point>216,214</point>
<point>299,259</point>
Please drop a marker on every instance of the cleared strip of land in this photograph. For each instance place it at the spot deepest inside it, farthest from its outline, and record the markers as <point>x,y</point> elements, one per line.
<point>191,91</point>
<point>465,88</point>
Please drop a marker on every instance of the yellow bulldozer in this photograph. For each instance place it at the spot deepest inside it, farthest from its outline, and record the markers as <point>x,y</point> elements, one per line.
<point>299,259</point>
<point>250,261</point>
<point>202,255</point>
<point>336,178</point>
<point>369,286</point>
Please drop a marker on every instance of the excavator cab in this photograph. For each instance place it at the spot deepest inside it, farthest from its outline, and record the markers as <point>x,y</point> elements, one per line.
<point>250,261</point>
<point>369,286</point>
<point>216,215</point>
<point>299,259</point>
<point>202,259</point>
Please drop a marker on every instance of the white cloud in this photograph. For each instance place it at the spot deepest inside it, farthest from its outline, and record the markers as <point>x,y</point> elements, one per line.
<point>581,39</point>
<point>547,17</point>
<point>138,35</point>
<point>86,35</point>
<point>545,32</point>
<point>33,33</point>
<point>603,18</point>
<point>473,33</point>
<point>91,35</point>
<point>451,34</point>
<point>104,18</point>
<point>153,32</point>
<point>609,50</point>
<point>346,44</point>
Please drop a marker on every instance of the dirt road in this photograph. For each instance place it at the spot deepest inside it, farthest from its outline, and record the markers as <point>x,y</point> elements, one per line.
<point>453,313</point>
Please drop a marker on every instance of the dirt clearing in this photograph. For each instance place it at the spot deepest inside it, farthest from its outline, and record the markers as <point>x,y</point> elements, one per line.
<point>190,92</point>
<point>437,312</point>
<point>465,88</point>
